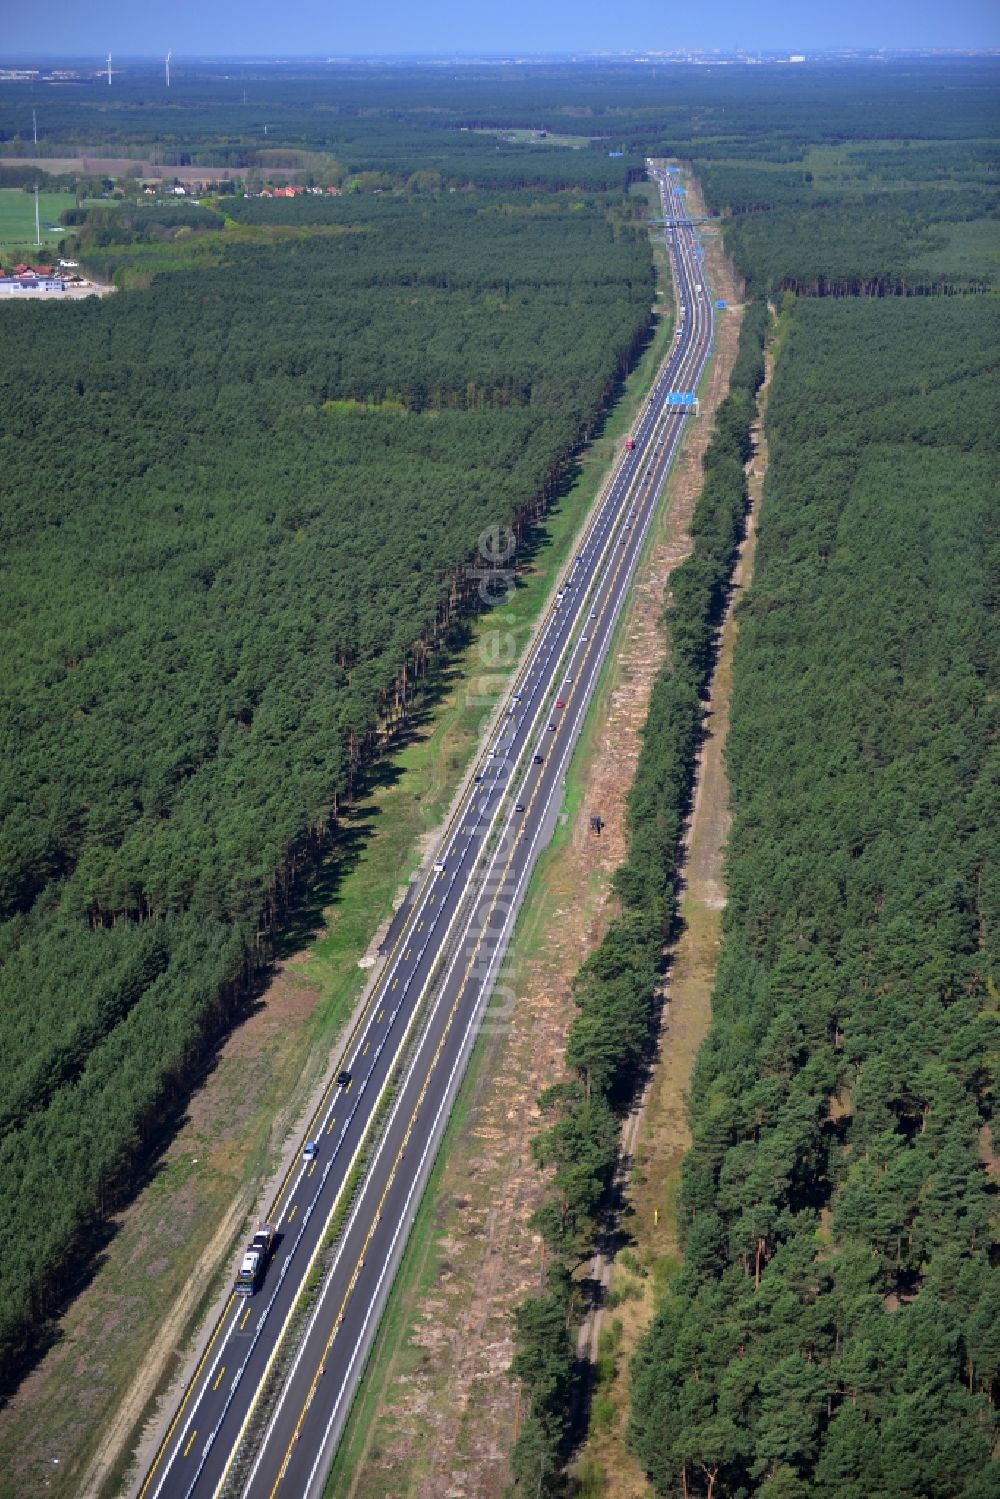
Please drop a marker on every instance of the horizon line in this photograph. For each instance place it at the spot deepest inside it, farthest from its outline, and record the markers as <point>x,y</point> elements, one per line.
<point>844,50</point>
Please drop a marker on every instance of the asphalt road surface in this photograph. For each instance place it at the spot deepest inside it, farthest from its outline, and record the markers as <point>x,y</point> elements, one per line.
<point>234,1430</point>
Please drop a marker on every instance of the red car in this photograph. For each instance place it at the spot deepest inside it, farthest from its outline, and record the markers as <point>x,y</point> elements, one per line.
<point>560,703</point>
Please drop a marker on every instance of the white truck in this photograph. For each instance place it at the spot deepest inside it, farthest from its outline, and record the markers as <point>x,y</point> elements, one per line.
<point>256,1256</point>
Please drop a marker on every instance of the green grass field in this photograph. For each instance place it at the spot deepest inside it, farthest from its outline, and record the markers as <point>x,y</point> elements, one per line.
<point>17,219</point>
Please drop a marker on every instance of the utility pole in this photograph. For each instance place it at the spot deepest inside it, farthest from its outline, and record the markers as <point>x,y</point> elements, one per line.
<point>38,227</point>
<point>34,126</point>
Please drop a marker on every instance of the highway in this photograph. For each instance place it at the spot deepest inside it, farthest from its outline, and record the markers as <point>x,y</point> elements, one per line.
<point>235,1431</point>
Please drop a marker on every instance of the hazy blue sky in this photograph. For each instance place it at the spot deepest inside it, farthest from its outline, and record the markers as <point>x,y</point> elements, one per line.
<point>312,27</point>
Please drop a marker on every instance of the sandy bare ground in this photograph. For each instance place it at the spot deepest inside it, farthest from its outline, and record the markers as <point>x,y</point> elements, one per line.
<point>446,1413</point>
<point>655,1135</point>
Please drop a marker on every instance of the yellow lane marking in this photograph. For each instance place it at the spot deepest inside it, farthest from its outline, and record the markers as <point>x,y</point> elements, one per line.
<point>190,1444</point>
<point>329,1128</point>
<point>246,1317</point>
<point>219,1379</point>
<point>395,985</point>
<point>365,1052</point>
<point>187,1395</point>
<point>407,953</point>
<point>420,927</point>
<point>295,1208</point>
<point>378,1019</point>
<point>312,1168</point>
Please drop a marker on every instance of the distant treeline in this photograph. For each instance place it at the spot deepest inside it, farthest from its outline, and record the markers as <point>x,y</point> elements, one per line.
<point>12,175</point>
<point>368,116</point>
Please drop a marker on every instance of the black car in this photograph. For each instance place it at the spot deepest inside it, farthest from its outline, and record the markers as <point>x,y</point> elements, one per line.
<point>536,759</point>
<point>518,806</point>
<point>343,1078</point>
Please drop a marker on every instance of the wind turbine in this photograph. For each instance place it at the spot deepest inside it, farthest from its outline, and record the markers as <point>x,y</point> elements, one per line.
<point>109,70</point>
<point>169,56</point>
